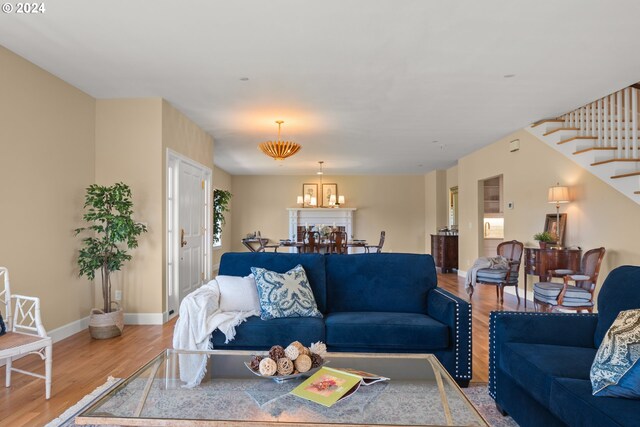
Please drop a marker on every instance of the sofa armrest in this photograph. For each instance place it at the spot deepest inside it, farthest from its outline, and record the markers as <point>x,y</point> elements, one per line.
<point>563,329</point>
<point>456,314</point>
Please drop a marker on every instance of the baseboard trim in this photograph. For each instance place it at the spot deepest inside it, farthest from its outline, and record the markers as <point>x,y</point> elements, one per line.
<point>512,290</point>
<point>462,273</point>
<point>145,318</point>
<point>65,331</point>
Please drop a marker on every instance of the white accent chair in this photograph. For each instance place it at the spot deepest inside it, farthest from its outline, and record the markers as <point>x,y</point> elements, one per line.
<point>25,333</point>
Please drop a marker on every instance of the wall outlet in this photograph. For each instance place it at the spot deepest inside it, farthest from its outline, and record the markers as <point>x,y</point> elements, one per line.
<point>118,296</point>
<point>510,205</point>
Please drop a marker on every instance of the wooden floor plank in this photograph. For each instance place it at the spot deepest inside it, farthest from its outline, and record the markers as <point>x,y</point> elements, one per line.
<point>80,364</point>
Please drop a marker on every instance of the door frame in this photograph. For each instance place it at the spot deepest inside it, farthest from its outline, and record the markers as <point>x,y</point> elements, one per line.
<point>172,195</point>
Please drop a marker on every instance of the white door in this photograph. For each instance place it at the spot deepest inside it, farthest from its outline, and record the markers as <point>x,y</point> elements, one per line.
<point>188,258</point>
<point>191,201</point>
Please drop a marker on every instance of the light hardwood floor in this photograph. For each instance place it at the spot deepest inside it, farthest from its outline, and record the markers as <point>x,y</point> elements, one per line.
<point>81,364</point>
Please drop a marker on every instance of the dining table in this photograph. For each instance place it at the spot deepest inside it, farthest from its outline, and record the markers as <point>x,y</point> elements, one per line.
<point>324,245</point>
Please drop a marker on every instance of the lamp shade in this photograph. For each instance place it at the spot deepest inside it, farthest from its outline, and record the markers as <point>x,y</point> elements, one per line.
<point>341,200</point>
<point>558,194</point>
<point>314,201</point>
<point>300,200</point>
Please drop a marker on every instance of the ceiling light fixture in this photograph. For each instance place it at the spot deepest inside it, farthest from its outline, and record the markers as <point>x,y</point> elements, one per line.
<point>279,149</point>
<point>320,172</point>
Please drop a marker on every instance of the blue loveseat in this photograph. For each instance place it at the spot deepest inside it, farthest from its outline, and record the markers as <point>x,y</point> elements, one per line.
<point>539,363</point>
<point>370,303</point>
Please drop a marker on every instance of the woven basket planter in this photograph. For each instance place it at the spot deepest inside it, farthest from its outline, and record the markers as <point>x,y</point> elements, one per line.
<point>103,325</point>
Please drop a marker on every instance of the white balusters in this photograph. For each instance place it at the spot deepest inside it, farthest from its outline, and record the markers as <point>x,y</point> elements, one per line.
<point>627,122</point>
<point>634,122</point>
<point>619,122</point>
<point>605,113</point>
<point>600,104</point>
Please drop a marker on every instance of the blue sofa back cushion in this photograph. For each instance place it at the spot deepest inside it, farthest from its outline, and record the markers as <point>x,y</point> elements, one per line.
<point>620,291</point>
<point>385,282</point>
<point>239,264</point>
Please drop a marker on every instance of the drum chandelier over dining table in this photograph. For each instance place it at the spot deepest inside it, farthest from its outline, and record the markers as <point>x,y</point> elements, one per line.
<point>279,149</point>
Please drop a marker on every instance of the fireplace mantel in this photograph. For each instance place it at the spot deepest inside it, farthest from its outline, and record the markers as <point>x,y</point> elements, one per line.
<point>317,216</point>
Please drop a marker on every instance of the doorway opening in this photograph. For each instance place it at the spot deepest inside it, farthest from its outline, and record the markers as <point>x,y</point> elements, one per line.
<point>491,214</point>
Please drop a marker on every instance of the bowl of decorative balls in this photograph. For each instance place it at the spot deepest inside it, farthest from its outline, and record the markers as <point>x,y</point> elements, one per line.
<point>286,363</point>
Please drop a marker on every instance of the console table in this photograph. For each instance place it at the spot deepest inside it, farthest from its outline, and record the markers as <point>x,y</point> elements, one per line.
<point>538,262</point>
<point>444,250</point>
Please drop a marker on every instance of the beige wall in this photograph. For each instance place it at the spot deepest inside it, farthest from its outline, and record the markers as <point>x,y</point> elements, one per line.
<point>129,149</point>
<point>597,216</point>
<point>435,211</point>
<point>47,152</point>
<point>391,202</point>
<point>222,181</point>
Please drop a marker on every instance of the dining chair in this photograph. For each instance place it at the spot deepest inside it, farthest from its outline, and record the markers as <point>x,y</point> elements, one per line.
<point>25,333</point>
<point>501,277</point>
<point>338,242</point>
<point>378,247</point>
<point>549,296</point>
<point>311,241</point>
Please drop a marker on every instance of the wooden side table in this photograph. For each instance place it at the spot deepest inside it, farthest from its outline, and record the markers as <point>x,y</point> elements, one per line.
<point>445,252</point>
<point>538,262</point>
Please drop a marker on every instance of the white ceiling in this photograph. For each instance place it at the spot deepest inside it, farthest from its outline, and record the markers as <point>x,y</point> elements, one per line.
<point>365,85</point>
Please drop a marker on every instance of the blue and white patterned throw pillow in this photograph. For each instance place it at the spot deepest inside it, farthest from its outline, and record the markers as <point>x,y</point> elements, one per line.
<point>616,369</point>
<point>285,294</point>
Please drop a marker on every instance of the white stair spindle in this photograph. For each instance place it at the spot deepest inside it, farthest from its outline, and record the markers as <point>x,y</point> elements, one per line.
<point>605,113</point>
<point>587,120</point>
<point>612,109</point>
<point>634,122</point>
<point>583,121</point>
<point>600,104</point>
<point>619,122</point>
<point>627,122</point>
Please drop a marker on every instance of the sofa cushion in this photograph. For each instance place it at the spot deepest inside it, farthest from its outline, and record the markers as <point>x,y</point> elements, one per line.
<point>258,334</point>
<point>385,282</point>
<point>535,366</point>
<point>238,293</point>
<point>239,264</point>
<point>284,294</point>
<point>619,292</point>
<point>385,331</point>
<point>616,369</point>
<point>573,403</point>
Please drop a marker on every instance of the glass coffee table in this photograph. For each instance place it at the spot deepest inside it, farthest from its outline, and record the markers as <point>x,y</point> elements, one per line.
<point>420,393</point>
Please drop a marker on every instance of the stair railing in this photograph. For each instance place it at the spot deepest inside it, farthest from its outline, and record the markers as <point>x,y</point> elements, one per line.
<point>612,121</point>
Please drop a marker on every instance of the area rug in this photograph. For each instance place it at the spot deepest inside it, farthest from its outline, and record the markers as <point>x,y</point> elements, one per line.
<point>476,392</point>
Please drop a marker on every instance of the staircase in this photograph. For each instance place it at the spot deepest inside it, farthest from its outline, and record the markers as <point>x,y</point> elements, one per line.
<point>602,137</point>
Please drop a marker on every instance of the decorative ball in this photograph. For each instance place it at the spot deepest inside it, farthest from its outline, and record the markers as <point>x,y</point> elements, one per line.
<point>305,351</point>
<point>316,360</point>
<point>276,352</point>
<point>255,362</point>
<point>285,366</point>
<point>319,348</point>
<point>268,367</point>
<point>303,363</point>
<point>292,352</point>
<point>299,346</point>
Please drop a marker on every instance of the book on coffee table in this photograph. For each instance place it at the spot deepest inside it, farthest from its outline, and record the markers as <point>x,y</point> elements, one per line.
<point>328,385</point>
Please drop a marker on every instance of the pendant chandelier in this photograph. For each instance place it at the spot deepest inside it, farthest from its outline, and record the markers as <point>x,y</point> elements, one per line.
<point>279,149</point>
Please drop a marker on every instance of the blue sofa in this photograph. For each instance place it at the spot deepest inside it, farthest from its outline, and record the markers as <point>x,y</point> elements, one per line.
<point>539,363</point>
<point>370,302</point>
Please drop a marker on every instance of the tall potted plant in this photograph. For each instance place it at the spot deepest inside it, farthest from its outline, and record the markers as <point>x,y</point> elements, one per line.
<point>108,210</point>
<point>221,200</point>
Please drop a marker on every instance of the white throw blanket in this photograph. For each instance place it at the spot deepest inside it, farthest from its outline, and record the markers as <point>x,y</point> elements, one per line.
<point>498,262</point>
<point>200,315</point>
